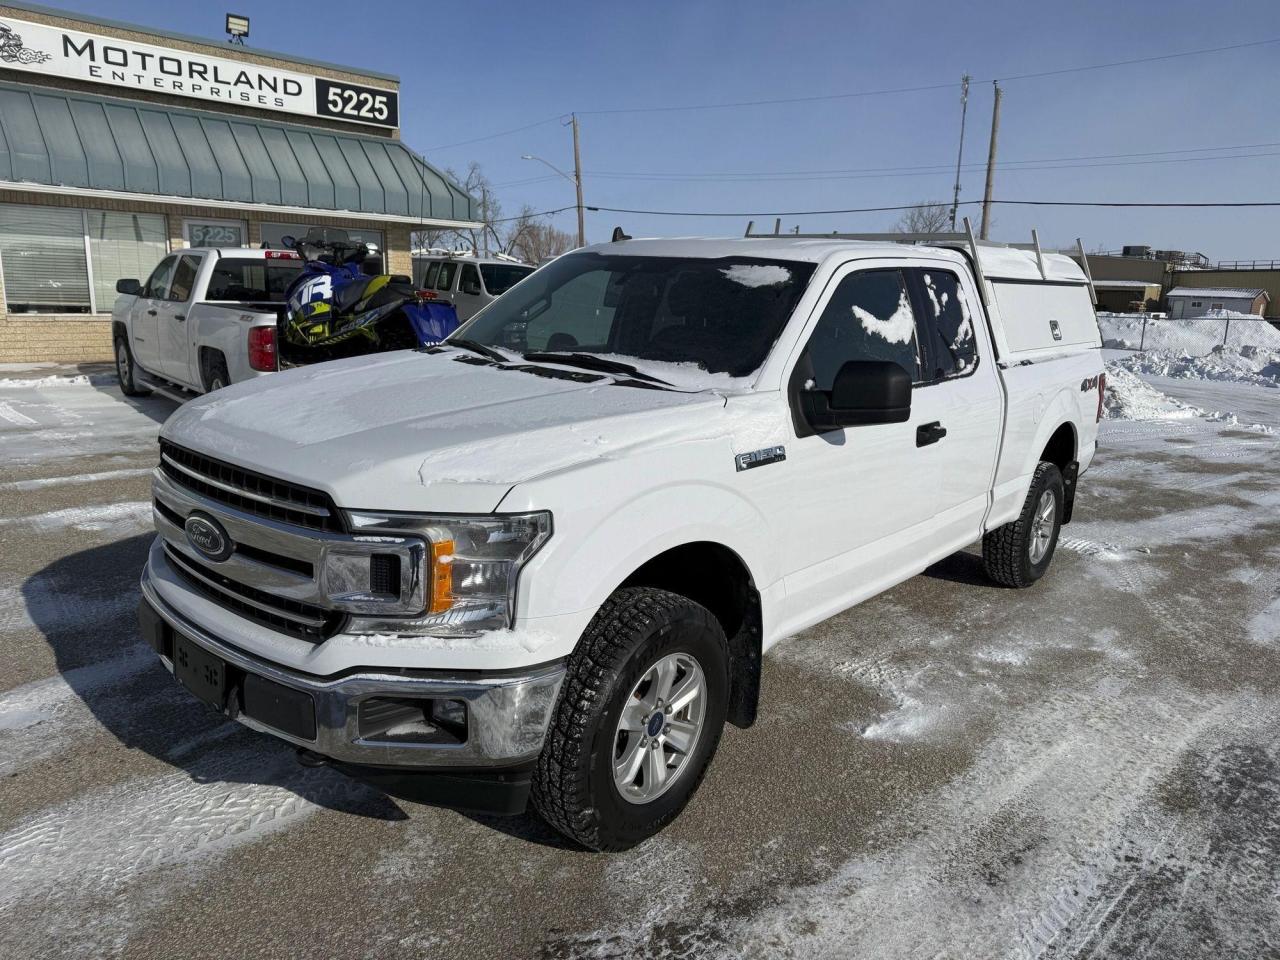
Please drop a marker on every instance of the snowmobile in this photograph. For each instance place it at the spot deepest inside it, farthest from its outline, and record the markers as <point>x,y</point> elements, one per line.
<point>343,305</point>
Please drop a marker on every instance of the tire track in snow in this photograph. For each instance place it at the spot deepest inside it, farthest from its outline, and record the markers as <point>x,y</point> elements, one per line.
<point>13,416</point>
<point>72,871</point>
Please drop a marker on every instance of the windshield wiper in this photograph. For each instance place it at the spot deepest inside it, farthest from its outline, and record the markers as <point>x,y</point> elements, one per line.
<point>479,348</point>
<point>589,361</point>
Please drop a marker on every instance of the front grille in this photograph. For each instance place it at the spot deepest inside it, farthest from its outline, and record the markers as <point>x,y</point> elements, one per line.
<point>247,491</point>
<point>298,619</point>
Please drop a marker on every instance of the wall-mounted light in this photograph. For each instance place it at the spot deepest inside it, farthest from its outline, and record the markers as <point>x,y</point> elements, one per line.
<point>237,27</point>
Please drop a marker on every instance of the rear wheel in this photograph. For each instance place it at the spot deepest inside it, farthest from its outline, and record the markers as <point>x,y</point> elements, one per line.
<point>1019,553</point>
<point>215,372</point>
<point>125,370</point>
<point>638,721</point>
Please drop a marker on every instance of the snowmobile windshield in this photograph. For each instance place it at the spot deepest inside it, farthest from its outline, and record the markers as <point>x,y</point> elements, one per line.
<point>246,280</point>
<point>501,277</point>
<point>720,314</point>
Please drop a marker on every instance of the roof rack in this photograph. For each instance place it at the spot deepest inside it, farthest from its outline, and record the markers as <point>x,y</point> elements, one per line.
<point>966,242</point>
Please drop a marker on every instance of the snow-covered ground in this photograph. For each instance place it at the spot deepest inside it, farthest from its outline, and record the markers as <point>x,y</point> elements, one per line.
<point>1087,768</point>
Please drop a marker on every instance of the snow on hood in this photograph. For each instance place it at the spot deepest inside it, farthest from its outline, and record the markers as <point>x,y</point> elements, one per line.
<point>414,431</point>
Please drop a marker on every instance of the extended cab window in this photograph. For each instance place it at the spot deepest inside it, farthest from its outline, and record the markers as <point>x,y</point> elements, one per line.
<point>245,280</point>
<point>869,317</point>
<point>950,347</point>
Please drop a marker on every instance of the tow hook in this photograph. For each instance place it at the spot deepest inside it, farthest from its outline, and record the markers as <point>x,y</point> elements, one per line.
<point>309,758</point>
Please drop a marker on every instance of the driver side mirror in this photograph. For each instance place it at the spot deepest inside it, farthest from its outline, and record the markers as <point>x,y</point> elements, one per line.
<point>288,241</point>
<point>130,288</point>
<point>863,392</point>
<point>471,288</point>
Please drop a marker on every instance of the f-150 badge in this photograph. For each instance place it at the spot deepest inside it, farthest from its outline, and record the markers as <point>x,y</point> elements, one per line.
<point>758,458</point>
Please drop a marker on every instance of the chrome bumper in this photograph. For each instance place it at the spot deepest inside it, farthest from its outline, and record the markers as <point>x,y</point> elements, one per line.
<point>507,716</point>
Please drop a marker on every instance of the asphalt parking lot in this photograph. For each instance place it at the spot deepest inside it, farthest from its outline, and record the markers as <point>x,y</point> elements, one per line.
<point>1088,768</point>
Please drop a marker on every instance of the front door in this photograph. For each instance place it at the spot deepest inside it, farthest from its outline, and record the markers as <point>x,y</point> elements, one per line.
<point>175,331</point>
<point>469,297</point>
<point>859,505</point>
<point>143,320</point>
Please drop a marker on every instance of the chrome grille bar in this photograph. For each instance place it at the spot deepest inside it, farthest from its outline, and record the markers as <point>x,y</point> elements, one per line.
<point>243,492</point>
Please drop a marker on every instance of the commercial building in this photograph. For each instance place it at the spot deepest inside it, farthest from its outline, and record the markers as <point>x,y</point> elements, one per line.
<point>1199,301</point>
<point>119,143</point>
<point>1126,296</point>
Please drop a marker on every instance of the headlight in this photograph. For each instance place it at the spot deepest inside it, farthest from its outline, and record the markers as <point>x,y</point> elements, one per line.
<point>467,572</point>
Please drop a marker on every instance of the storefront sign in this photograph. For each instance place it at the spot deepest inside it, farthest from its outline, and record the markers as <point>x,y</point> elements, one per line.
<point>52,51</point>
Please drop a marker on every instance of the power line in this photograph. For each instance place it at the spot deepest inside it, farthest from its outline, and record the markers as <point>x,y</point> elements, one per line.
<point>504,133</point>
<point>912,206</point>
<point>944,167</point>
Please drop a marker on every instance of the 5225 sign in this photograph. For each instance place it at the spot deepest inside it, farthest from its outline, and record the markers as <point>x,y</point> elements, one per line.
<point>350,101</point>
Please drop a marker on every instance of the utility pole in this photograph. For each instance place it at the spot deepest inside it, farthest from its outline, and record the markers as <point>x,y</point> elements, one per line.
<point>991,163</point>
<point>484,213</point>
<point>964,111</point>
<point>577,178</point>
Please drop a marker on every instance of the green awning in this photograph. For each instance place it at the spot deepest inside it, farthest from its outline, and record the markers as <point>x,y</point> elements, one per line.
<point>52,139</point>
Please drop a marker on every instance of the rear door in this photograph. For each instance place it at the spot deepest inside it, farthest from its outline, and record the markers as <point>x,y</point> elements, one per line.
<point>176,334</point>
<point>143,319</point>
<point>957,404</point>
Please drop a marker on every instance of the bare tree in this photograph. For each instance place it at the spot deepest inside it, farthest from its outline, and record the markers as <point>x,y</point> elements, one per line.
<point>525,235</point>
<point>931,216</point>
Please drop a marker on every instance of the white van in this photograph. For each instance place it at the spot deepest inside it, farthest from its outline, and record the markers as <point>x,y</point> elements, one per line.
<point>471,282</point>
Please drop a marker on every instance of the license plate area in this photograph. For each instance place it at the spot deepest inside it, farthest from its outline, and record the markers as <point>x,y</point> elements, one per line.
<point>200,672</point>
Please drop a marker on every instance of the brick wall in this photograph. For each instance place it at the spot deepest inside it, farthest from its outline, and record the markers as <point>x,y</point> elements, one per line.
<point>83,338</point>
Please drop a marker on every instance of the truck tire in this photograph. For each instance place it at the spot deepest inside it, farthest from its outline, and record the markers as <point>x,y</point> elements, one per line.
<point>125,368</point>
<point>616,767</point>
<point>1018,553</point>
<point>215,374</point>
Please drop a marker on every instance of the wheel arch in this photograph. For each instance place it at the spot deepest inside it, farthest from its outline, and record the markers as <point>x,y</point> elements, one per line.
<point>716,576</point>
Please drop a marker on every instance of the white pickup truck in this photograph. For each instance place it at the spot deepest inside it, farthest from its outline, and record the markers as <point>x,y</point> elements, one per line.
<point>543,559</point>
<point>205,318</point>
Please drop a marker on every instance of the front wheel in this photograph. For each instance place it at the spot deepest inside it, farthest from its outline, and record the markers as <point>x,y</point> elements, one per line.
<point>638,720</point>
<point>125,370</point>
<point>1019,553</point>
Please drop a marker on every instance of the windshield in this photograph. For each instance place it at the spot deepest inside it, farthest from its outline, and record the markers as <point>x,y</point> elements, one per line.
<point>251,280</point>
<point>501,277</point>
<point>722,314</point>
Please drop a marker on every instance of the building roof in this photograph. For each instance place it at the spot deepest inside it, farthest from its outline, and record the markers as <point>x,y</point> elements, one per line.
<point>1222,293</point>
<point>1124,284</point>
<point>73,143</point>
<point>223,48</point>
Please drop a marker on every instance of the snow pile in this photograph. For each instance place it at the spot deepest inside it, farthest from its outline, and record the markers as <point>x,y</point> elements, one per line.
<point>55,380</point>
<point>1128,398</point>
<point>1123,331</point>
<point>1253,365</point>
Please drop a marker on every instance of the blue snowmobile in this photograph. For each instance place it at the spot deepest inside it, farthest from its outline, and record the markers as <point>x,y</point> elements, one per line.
<point>343,305</point>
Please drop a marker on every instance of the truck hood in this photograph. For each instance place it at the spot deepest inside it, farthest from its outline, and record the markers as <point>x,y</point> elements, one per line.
<point>430,432</point>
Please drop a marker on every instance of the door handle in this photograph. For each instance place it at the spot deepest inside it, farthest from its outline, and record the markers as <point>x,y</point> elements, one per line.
<point>151,313</point>
<point>180,316</point>
<point>930,433</point>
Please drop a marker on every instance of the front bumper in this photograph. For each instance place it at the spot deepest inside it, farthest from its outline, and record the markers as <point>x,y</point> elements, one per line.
<point>506,715</point>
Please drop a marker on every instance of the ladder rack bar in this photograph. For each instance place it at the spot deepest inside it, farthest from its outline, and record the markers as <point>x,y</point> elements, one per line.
<point>1088,274</point>
<point>1035,241</point>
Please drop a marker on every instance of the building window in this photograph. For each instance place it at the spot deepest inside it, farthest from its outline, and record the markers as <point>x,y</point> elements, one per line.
<point>122,245</point>
<point>1215,306</point>
<point>64,260</point>
<point>216,233</point>
<point>42,254</point>
<point>1197,303</point>
<point>272,233</point>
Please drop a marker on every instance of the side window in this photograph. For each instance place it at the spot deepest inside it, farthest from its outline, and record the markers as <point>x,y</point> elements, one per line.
<point>157,285</point>
<point>184,279</point>
<point>950,348</point>
<point>470,281</point>
<point>444,280</point>
<point>433,270</point>
<point>869,317</point>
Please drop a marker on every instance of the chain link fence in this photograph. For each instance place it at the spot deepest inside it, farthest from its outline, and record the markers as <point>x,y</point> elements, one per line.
<point>1198,337</point>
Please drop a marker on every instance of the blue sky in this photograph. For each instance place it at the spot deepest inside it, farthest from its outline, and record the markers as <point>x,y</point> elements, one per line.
<point>470,70</point>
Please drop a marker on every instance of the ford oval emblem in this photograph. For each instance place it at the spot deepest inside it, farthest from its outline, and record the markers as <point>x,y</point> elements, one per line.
<point>207,536</point>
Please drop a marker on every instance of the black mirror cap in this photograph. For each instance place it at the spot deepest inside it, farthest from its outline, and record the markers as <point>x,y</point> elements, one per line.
<point>288,241</point>
<point>864,392</point>
<point>129,287</point>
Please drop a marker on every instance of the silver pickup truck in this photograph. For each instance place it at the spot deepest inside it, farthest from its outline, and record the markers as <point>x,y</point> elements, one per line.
<point>205,318</point>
